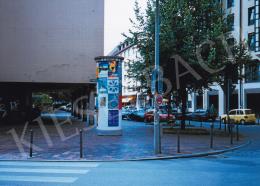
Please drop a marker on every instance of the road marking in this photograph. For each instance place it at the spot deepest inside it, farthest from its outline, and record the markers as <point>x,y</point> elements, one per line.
<point>39,179</point>
<point>55,171</point>
<point>15,169</point>
<point>50,164</point>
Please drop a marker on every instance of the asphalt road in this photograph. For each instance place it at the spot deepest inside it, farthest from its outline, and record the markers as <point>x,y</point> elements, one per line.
<point>241,167</point>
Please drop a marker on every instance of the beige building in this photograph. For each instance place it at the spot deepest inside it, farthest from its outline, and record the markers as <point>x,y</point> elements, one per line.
<point>243,16</point>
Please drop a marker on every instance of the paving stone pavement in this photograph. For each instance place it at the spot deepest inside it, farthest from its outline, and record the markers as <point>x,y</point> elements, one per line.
<point>60,141</point>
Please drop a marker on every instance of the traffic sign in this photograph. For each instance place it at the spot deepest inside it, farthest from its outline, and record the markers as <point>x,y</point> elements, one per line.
<point>159,99</point>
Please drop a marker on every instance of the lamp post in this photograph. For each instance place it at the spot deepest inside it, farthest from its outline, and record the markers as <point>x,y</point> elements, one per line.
<point>240,101</point>
<point>157,128</point>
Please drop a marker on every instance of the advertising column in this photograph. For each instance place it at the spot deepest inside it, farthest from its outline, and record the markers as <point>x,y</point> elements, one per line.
<point>109,95</point>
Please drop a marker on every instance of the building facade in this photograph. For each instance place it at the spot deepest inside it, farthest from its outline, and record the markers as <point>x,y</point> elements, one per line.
<point>48,44</point>
<point>243,16</point>
<point>131,95</point>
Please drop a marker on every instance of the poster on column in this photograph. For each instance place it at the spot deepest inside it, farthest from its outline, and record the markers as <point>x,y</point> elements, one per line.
<point>102,101</point>
<point>113,69</point>
<point>113,85</point>
<point>113,101</point>
<point>103,69</point>
<point>113,118</point>
<point>102,85</point>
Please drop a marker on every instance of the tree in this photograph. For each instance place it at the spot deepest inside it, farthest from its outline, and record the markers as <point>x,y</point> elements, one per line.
<point>196,31</point>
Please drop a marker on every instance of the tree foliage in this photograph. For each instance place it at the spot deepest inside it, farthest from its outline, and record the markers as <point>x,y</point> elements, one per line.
<point>197,31</point>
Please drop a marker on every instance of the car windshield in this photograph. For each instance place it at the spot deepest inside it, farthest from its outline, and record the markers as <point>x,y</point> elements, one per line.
<point>200,111</point>
<point>248,111</point>
<point>163,112</point>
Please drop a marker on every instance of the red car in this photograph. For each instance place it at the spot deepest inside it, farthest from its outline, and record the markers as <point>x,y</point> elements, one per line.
<point>149,116</point>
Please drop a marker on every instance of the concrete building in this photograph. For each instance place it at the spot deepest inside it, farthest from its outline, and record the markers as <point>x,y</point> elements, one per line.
<point>244,16</point>
<point>49,44</point>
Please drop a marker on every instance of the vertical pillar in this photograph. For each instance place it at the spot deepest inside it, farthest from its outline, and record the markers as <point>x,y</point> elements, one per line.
<point>28,104</point>
<point>221,102</point>
<point>205,100</point>
<point>194,101</point>
<point>137,105</point>
<point>109,90</point>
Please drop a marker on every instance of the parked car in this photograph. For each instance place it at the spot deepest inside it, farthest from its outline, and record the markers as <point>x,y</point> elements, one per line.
<point>242,116</point>
<point>137,115</point>
<point>126,113</point>
<point>177,113</point>
<point>202,115</point>
<point>149,116</point>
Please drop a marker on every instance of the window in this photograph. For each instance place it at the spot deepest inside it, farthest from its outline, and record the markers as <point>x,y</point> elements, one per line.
<point>230,22</point>
<point>251,41</point>
<point>251,16</point>
<point>230,3</point>
<point>252,73</point>
<point>248,111</point>
<point>240,112</point>
<point>232,112</point>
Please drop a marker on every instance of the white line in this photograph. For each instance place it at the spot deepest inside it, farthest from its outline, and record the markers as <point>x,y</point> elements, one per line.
<point>55,171</point>
<point>39,179</point>
<point>50,164</point>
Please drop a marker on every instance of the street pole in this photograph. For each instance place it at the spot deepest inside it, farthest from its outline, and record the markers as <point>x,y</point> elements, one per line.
<point>241,94</point>
<point>157,137</point>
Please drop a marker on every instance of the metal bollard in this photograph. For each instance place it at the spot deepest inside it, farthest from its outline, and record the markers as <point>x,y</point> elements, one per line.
<point>220,123</point>
<point>81,143</point>
<point>31,142</point>
<point>231,134</point>
<point>211,135</point>
<point>178,141</point>
<point>237,132</point>
<point>225,125</point>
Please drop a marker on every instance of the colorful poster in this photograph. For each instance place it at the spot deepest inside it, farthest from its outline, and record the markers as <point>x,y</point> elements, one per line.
<point>113,70</point>
<point>102,85</point>
<point>113,118</point>
<point>113,101</point>
<point>103,69</point>
<point>113,86</point>
<point>103,102</point>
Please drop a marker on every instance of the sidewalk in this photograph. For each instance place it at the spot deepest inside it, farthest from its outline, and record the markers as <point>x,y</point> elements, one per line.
<point>136,142</point>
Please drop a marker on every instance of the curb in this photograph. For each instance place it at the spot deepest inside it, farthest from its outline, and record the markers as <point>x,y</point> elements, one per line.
<point>195,155</point>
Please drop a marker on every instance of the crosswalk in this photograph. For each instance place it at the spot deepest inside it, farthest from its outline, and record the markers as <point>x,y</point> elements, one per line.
<point>43,172</point>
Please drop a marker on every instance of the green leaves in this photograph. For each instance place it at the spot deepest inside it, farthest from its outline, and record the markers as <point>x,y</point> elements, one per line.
<point>185,26</point>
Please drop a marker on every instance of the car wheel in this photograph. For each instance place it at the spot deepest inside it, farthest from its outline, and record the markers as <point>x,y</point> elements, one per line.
<point>242,122</point>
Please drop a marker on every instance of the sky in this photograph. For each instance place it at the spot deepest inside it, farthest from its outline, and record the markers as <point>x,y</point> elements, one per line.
<point>117,14</point>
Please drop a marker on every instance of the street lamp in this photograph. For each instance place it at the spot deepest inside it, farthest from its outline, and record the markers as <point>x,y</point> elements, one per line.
<point>157,132</point>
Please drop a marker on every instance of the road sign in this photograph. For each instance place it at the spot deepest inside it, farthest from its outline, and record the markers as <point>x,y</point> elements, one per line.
<point>160,82</point>
<point>159,99</point>
<point>153,87</point>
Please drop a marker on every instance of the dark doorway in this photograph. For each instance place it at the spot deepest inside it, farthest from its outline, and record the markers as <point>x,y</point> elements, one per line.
<point>213,99</point>
<point>199,102</point>
<point>253,102</point>
<point>234,101</point>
